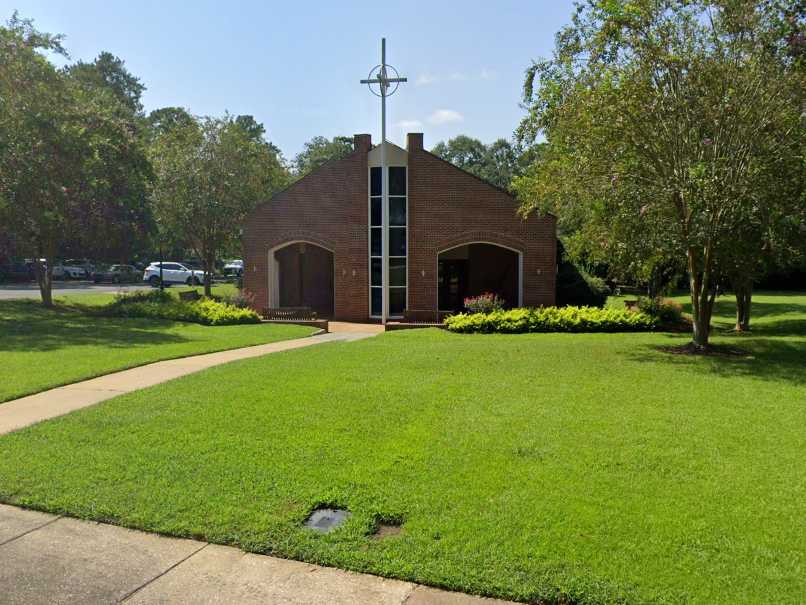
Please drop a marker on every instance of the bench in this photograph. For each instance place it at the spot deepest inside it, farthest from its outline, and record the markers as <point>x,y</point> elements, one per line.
<point>290,314</point>
<point>303,316</point>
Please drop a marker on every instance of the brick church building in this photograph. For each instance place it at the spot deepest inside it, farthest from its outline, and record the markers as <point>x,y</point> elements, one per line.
<point>317,244</point>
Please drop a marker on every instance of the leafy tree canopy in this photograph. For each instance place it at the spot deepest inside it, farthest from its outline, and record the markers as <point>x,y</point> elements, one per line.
<point>663,121</point>
<point>320,150</point>
<point>108,71</point>
<point>496,163</point>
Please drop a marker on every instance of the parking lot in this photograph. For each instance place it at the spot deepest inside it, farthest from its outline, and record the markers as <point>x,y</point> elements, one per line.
<point>31,290</point>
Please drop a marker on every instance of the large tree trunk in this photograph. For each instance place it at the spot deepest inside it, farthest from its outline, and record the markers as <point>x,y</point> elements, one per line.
<point>44,277</point>
<point>743,288</point>
<point>703,295</point>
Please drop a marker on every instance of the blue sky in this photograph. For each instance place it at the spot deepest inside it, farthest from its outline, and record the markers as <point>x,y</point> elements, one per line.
<point>295,66</point>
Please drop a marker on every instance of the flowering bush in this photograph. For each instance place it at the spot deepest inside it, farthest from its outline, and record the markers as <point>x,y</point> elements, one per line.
<point>484,303</point>
<point>552,319</point>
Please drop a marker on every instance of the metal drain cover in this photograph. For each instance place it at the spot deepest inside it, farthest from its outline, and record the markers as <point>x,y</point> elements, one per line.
<point>325,520</point>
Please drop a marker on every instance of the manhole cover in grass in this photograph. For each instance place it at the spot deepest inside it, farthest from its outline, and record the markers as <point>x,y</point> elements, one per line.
<point>326,519</point>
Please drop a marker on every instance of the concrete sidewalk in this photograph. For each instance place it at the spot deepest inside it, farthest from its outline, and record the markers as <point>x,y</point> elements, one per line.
<point>19,413</point>
<point>47,559</point>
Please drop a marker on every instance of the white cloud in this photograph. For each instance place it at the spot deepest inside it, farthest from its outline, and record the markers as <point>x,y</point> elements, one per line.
<point>487,74</point>
<point>425,79</point>
<point>457,76</point>
<point>409,125</point>
<point>445,116</point>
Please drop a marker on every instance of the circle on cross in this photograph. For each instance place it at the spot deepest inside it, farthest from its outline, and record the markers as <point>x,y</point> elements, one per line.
<point>381,79</point>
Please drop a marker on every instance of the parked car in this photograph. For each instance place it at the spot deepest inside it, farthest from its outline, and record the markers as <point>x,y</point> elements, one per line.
<point>172,273</point>
<point>233,268</point>
<point>117,274</point>
<point>88,266</point>
<point>65,270</point>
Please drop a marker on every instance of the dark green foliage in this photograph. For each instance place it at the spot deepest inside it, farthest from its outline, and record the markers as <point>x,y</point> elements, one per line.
<point>551,319</point>
<point>665,310</point>
<point>575,286</point>
<point>320,150</point>
<point>496,163</point>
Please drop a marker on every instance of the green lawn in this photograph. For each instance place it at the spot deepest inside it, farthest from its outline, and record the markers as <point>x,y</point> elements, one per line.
<point>41,349</point>
<point>94,299</point>
<point>559,467</point>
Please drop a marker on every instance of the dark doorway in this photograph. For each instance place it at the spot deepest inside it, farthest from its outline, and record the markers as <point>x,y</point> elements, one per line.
<point>306,277</point>
<point>475,269</point>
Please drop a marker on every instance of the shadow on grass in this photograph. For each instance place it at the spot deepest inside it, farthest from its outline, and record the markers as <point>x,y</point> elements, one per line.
<point>28,326</point>
<point>773,359</point>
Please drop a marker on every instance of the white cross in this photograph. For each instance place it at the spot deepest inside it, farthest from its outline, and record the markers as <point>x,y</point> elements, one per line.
<point>384,83</point>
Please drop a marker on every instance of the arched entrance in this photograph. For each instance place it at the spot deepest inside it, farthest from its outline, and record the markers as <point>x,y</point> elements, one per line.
<point>301,275</point>
<point>475,268</point>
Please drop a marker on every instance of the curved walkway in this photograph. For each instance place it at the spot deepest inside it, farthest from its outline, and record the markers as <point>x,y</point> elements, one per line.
<point>19,413</point>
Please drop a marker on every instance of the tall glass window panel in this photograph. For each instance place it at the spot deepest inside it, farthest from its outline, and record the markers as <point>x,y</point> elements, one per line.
<point>397,241</point>
<point>397,271</point>
<point>376,216</point>
<point>377,301</point>
<point>397,301</point>
<point>377,273</point>
<point>376,241</point>
<point>375,181</point>
<point>397,180</point>
<point>397,211</point>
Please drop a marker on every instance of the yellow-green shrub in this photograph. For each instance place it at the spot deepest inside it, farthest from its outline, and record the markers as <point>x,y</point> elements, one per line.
<point>158,305</point>
<point>551,319</point>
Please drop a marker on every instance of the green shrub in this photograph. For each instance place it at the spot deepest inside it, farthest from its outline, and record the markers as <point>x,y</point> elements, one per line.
<point>552,319</point>
<point>576,287</point>
<point>665,310</point>
<point>161,305</point>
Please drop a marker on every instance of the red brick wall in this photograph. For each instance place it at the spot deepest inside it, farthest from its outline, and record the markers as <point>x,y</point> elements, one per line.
<point>447,207</point>
<point>327,208</point>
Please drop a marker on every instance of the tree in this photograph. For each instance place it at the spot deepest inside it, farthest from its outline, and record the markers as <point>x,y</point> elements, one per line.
<point>116,214</point>
<point>160,121</point>
<point>41,148</point>
<point>660,118</point>
<point>496,163</point>
<point>209,175</point>
<point>72,172</point>
<point>109,72</point>
<point>320,150</point>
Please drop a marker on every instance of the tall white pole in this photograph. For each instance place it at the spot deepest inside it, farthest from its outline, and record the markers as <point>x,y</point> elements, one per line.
<point>385,192</point>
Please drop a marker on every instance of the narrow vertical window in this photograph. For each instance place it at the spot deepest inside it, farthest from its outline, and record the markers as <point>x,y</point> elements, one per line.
<point>397,241</point>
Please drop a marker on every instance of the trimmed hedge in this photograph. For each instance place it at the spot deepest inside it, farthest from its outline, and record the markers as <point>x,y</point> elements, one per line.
<point>551,319</point>
<point>161,305</point>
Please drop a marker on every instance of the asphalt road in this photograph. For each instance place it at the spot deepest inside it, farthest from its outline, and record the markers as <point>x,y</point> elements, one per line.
<point>11,291</point>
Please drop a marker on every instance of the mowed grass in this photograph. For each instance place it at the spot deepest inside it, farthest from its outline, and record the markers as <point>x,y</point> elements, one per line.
<point>547,467</point>
<point>41,349</point>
